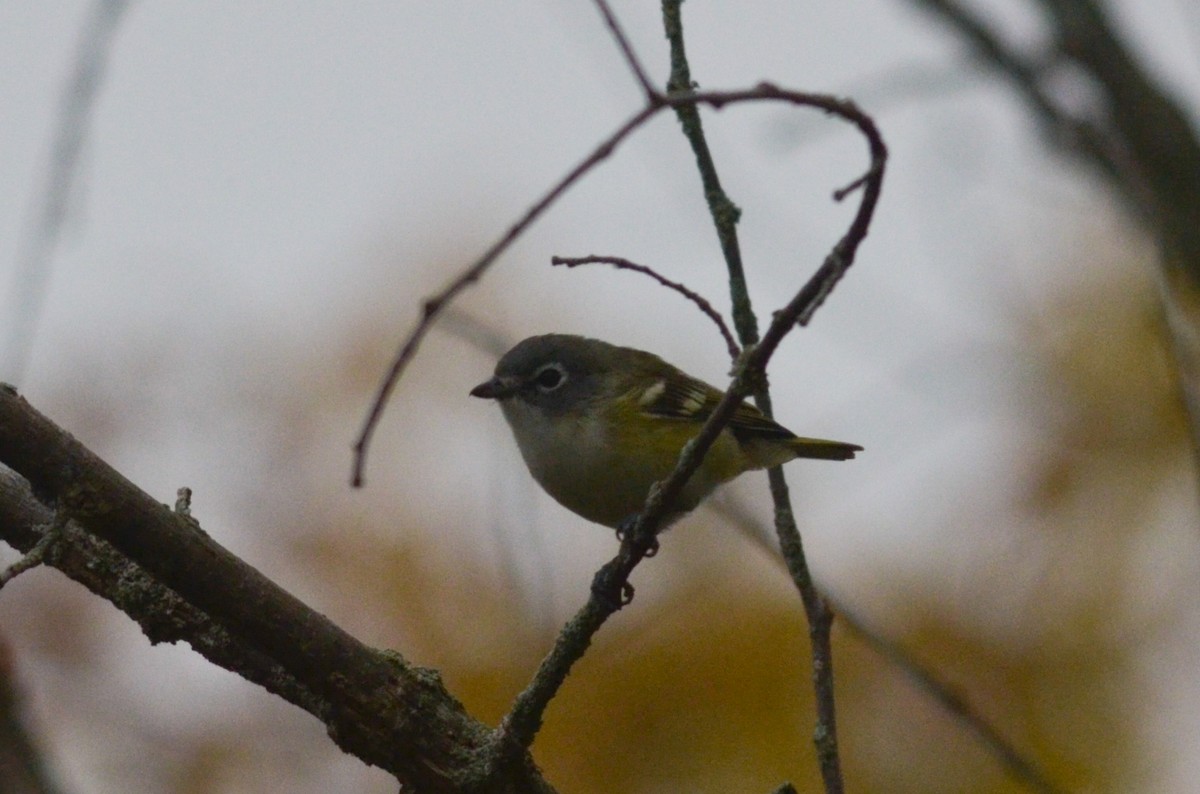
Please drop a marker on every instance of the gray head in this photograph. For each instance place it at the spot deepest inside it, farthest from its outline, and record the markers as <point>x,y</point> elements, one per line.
<point>554,372</point>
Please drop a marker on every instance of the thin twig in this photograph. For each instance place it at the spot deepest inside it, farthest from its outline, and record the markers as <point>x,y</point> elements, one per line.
<point>1026,76</point>
<point>841,193</point>
<point>725,213</point>
<point>434,305</point>
<point>725,216</point>
<point>78,100</point>
<point>631,58</point>
<point>820,629</point>
<point>183,501</point>
<point>610,592</point>
<point>1021,768</point>
<point>611,589</point>
<point>432,308</point>
<point>37,555</point>
<point>621,263</point>
<point>820,617</point>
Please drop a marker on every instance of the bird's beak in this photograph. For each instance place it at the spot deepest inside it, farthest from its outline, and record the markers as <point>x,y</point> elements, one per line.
<point>497,388</point>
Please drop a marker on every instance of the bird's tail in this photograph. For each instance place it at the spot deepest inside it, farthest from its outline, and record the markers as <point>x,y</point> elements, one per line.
<point>821,449</point>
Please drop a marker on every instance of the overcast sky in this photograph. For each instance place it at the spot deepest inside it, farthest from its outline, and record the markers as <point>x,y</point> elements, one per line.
<point>256,175</point>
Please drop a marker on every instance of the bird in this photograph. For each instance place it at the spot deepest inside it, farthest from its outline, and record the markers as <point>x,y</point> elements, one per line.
<point>598,424</point>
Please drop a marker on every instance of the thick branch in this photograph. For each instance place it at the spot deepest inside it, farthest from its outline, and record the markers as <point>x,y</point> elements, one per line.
<point>375,705</point>
<point>1163,148</point>
<point>162,614</point>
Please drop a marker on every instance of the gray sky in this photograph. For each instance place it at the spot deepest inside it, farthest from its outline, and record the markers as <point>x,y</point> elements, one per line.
<point>257,174</point>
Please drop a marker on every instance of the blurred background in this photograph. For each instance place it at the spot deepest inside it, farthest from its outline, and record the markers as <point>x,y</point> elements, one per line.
<point>265,193</point>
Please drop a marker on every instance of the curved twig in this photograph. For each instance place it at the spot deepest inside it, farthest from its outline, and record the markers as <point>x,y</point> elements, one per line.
<point>611,589</point>
<point>717,100</point>
<point>620,263</point>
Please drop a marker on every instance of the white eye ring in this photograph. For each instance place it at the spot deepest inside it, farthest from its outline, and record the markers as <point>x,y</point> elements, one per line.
<point>550,377</point>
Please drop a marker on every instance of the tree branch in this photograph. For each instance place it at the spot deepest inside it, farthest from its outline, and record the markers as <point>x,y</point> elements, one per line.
<point>611,589</point>
<point>620,263</point>
<point>161,613</point>
<point>725,216</point>
<point>1140,141</point>
<point>433,307</point>
<point>626,48</point>
<point>376,705</point>
<point>725,213</point>
<point>957,704</point>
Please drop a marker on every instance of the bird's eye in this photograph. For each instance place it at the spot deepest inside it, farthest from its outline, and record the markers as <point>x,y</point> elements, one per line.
<point>550,377</point>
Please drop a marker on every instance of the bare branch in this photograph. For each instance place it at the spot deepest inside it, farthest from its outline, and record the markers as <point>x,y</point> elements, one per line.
<point>37,553</point>
<point>624,264</point>
<point>432,308</point>
<point>376,705</point>
<point>1020,767</point>
<point>162,614</point>
<point>842,193</point>
<point>434,305</point>
<point>610,591</point>
<point>800,311</point>
<point>610,588</point>
<point>725,213</point>
<point>631,58</point>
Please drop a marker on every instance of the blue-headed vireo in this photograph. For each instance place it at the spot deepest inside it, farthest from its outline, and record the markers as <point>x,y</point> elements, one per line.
<point>599,424</point>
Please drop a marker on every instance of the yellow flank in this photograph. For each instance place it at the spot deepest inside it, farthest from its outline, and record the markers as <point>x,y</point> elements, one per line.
<point>619,486</point>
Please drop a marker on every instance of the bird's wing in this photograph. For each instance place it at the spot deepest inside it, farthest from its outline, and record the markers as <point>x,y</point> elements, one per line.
<point>683,397</point>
